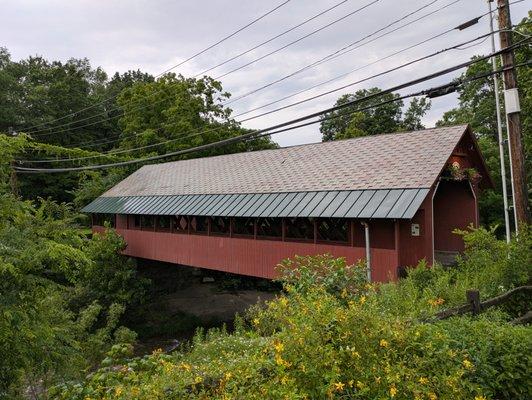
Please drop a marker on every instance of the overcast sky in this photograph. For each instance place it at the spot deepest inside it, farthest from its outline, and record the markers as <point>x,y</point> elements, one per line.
<point>153,35</point>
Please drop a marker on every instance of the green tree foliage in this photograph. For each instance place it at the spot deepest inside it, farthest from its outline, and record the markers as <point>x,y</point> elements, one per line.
<point>477,108</point>
<point>333,335</point>
<point>62,293</point>
<point>188,111</point>
<point>384,119</point>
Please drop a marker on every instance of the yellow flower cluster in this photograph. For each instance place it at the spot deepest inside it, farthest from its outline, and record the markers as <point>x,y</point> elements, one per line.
<point>436,302</point>
<point>423,380</point>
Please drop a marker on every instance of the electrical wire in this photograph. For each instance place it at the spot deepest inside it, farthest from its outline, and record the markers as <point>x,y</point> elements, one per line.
<point>300,39</point>
<point>37,134</point>
<point>271,39</point>
<point>403,65</point>
<point>251,135</point>
<point>254,21</point>
<point>336,53</point>
<point>235,99</point>
<point>195,76</point>
<point>287,76</point>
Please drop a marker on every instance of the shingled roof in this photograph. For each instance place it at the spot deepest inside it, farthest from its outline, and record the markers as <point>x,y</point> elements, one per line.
<point>386,175</point>
<point>390,161</point>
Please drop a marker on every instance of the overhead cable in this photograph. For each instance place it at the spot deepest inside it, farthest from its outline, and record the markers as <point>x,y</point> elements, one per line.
<point>272,129</point>
<point>254,21</point>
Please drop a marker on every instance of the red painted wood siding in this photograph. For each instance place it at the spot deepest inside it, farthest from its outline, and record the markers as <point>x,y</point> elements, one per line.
<point>241,255</point>
<point>454,207</point>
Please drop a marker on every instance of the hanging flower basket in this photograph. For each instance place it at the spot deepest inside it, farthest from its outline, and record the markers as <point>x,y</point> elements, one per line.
<point>457,173</point>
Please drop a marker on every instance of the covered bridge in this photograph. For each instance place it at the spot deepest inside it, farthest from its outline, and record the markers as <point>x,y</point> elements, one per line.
<point>243,213</point>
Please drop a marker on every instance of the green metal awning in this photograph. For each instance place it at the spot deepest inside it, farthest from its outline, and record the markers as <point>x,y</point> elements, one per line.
<point>382,203</point>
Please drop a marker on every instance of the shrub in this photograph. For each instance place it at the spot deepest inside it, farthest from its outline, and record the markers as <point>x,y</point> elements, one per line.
<point>334,275</point>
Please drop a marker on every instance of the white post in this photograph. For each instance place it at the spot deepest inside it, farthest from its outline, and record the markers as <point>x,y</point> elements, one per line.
<point>499,129</point>
<point>368,251</point>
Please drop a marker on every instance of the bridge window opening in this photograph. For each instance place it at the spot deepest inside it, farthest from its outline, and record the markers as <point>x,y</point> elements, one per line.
<point>103,219</point>
<point>220,226</point>
<point>180,224</point>
<point>136,221</point>
<point>199,224</point>
<point>270,228</point>
<point>147,222</point>
<point>163,223</point>
<point>333,230</point>
<point>244,226</point>
<point>300,229</point>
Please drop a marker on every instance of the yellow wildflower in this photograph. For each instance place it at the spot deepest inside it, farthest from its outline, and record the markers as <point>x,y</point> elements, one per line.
<point>279,347</point>
<point>185,366</point>
<point>480,398</point>
<point>393,391</point>
<point>284,380</point>
<point>436,302</point>
<point>351,383</point>
<point>118,391</point>
<point>339,386</point>
<point>228,375</point>
<point>283,301</point>
<point>344,293</point>
<point>198,379</point>
<point>432,396</point>
<point>383,343</point>
<point>256,321</point>
<point>362,299</point>
<point>423,380</point>
<point>360,385</point>
<point>467,364</point>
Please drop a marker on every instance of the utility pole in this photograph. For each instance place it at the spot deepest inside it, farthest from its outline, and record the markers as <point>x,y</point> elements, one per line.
<point>499,129</point>
<point>511,102</point>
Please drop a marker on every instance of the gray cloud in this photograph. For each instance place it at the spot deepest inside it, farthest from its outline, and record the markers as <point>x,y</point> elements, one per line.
<point>154,35</point>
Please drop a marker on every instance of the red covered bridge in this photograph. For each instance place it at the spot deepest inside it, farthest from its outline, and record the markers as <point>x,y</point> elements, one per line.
<point>243,213</point>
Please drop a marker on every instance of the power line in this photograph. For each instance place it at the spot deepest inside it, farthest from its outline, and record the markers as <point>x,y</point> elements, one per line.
<point>271,39</point>
<point>321,60</point>
<point>300,39</point>
<point>334,54</point>
<point>222,63</point>
<point>326,59</point>
<point>254,21</point>
<point>236,69</point>
<point>349,48</point>
<point>111,153</point>
<point>433,92</point>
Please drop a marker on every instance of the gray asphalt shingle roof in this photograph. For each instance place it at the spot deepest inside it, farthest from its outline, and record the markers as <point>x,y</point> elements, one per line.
<point>391,161</point>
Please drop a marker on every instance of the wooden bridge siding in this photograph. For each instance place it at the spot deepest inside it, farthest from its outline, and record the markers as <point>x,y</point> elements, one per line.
<point>448,217</point>
<point>242,255</point>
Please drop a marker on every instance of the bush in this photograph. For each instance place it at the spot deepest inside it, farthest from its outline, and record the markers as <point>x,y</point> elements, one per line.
<point>302,274</point>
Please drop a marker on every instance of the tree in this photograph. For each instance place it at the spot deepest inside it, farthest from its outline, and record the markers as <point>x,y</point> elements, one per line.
<point>62,294</point>
<point>386,118</point>
<point>186,111</point>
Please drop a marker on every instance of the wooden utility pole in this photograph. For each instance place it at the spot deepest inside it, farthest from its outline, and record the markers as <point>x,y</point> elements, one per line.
<point>511,100</point>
